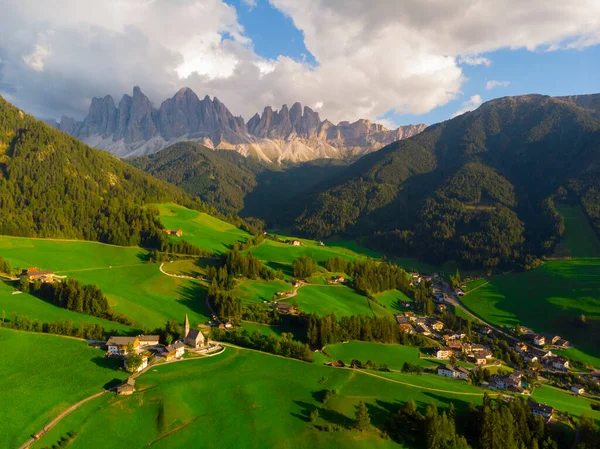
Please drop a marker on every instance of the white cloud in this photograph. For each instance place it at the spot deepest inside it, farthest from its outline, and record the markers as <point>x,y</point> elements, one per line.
<point>492,84</point>
<point>35,60</point>
<point>249,3</point>
<point>474,60</point>
<point>470,105</point>
<point>404,57</point>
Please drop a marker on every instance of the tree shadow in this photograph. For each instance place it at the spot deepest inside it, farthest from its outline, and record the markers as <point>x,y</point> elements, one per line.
<point>285,268</point>
<point>112,383</point>
<point>107,362</point>
<point>143,256</point>
<point>193,296</point>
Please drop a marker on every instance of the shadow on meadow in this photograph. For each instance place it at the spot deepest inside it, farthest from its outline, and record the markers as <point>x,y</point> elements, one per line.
<point>193,296</point>
<point>286,268</point>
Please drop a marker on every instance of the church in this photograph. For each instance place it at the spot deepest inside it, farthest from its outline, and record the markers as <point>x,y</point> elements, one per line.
<point>193,337</point>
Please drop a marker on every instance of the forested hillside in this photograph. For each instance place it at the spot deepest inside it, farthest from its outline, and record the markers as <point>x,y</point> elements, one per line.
<point>231,182</point>
<point>480,188</point>
<point>52,185</point>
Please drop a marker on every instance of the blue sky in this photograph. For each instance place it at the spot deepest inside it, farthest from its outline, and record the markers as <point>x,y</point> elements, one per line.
<point>561,72</point>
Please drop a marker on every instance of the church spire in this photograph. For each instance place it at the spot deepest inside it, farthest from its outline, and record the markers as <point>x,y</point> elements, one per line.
<point>186,326</point>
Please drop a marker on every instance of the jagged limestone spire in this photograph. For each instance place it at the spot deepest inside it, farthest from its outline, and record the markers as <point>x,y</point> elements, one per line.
<point>186,326</point>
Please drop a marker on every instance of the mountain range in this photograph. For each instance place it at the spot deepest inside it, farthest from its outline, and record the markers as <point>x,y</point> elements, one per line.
<point>136,128</point>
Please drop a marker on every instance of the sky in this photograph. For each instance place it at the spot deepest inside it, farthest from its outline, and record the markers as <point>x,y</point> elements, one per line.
<point>396,63</point>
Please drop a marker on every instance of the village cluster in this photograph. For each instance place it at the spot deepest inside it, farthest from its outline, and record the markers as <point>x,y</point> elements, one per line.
<point>138,352</point>
<point>535,349</point>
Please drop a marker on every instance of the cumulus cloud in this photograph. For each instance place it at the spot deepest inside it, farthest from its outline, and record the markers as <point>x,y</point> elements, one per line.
<point>471,104</point>
<point>404,57</point>
<point>474,60</point>
<point>492,84</point>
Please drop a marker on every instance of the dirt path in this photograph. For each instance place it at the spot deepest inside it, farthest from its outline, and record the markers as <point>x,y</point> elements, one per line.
<point>74,407</point>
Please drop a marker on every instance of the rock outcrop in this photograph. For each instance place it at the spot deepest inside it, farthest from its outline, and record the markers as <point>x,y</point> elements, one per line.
<point>135,128</point>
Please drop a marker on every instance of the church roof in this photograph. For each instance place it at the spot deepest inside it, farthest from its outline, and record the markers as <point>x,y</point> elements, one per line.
<point>194,333</point>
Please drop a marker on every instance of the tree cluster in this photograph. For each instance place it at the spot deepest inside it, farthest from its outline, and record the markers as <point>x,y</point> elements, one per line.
<point>285,346</point>
<point>88,331</point>
<point>304,267</point>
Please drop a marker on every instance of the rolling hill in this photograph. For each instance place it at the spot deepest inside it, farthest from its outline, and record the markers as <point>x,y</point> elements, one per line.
<point>52,185</point>
<point>480,188</point>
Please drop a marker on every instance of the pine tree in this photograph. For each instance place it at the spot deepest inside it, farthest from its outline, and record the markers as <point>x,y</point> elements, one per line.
<point>362,420</point>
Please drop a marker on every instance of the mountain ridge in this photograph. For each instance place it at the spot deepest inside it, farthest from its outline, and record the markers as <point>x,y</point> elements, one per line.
<point>135,128</point>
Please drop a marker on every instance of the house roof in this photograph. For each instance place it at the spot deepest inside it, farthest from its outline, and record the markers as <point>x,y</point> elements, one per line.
<point>149,337</point>
<point>120,341</point>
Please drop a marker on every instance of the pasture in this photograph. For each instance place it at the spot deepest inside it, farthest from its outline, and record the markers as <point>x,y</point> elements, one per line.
<point>550,299</point>
<point>339,299</point>
<point>200,229</point>
<point>180,404</point>
<point>149,297</point>
<point>258,291</point>
<point>391,299</point>
<point>37,309</point>
<point>565,401</point>
<point>42,375</point>
<point>392,355</point>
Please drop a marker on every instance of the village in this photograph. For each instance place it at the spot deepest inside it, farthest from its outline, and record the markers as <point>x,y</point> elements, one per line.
<point>140,352</point>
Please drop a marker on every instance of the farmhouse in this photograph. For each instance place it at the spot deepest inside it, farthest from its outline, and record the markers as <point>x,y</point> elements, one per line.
<point>438,326</point>
<point>485,331</point>
<point>410,315</point>
<point>578,388</point>
<point>192,337</point>
<point>173,232</point>
<point>444,353</point>
<point>175,351</point>
<point>478,358</point>
<point>35,274</point>
<point>511,382</point>
<point>545,411</point>
<point>121,345</point>
<point>294,242</point>
<point>148,340</point>
<point>126,388</point>
<point>456,345</point>
<point>126,361</point>
<point>539,340</point>
<point>459,292</point>
<point>560,363</point>
<point>285,308</point>
<point>406,327</point>
<point>336,280</point>
<point>521,348</point>
<point>457,372</point>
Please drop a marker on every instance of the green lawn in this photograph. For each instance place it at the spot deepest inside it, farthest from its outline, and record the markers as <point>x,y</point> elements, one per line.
<point>264,329</point>
<point>43,375</point>
<point>579,239</point>
<point>65,255</point>
<point>200,229</point>
<point>149,297</point>
<point>241,399</point>
<point>341,300</point>
<point>550,298</point>
<point>37,309</point>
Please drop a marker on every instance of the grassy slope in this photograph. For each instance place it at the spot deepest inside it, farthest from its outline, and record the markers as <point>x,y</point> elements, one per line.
<point>36,309</point>
<point>563,290</point>
<point>261,400</point>
<point>393,356</point>
<point>200,229</point>
<point>579,239</point>
<point>148,296</point>
<point>391,299</point>
<point>137,289</point>
<point>43,375</point>
<point>341,300</point>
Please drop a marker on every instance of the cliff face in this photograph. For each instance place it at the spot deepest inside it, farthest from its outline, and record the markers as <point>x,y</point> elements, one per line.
<point>297,134</point>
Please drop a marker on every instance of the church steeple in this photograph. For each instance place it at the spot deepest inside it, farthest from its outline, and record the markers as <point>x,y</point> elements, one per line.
<point>186,326</point>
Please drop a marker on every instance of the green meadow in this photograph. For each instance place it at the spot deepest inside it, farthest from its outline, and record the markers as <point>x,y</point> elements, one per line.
<point>391,299</point>
<point>132,286</point>
<point>200,229</point>
<point>341,300</point>
<point>550,298</point>
<point>67,255</point>
<point>42,375</point>
<point>37,309</point>
<point>565,401</point>
<point>259,291</point>
<point>261,401</point>
<point>392,355</point>
<point>149,297</point>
